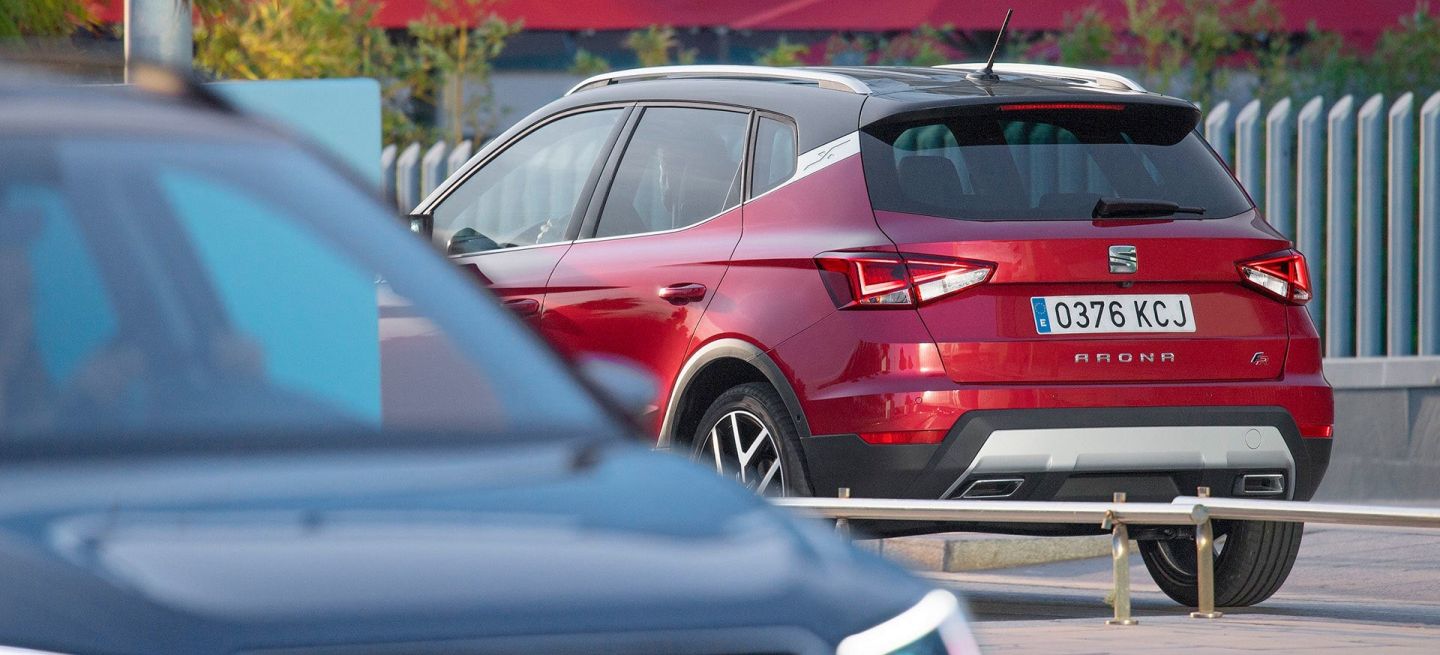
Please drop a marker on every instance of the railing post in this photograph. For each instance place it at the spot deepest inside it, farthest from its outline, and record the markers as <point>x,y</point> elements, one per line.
<point>1248,168</point>
<point>842,525</point>
<point>1279,156</point>
<point>432,168</point>
<point>407,178</point>
<point>1310,200</point>
<point>1204,566</point>
<point>387,172</point>
<point>1120,553</point>
<point>1400,322</point>
<point>1370,230</point>
<point>458,157</point>
<point>1218,129</point>
<point>1429,282</point>
<point>1340,230</point>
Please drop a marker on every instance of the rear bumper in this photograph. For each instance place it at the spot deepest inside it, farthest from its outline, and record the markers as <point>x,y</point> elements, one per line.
<point>1151,453</point>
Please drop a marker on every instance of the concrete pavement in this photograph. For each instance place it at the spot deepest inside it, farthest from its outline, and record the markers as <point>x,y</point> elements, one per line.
<point>1352,589</point>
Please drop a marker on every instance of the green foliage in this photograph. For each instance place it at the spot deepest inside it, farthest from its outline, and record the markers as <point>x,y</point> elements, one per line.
<point>286,39</point>
<point>43,18</point>
<point>302,39</point>
<point>1088,39</point>
<point>1407,57</point>
<point>784,53</point>
<point>925,46</point>
<point>1207,35</point>
<point>294,39</point>
<point>588,63</point>
<point>1191,40</point>
<point>1274,76</point>
<point>1330,67</point>
<point>450,55</point>
<point>848,51</point>
<point>1154,31</point>
<point>653,46</point>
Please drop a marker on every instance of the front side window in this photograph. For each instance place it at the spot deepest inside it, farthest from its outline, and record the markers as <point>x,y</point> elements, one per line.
<point>1042,164</point>
<point>169,287</point>
<point>682,166</point>
<point>527,194</point>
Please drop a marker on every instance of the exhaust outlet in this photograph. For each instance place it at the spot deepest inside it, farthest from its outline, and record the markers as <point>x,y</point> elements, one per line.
<point>1260,484</point>
<point>992,489</point>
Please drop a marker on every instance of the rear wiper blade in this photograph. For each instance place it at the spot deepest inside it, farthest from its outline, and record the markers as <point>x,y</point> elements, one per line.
<point>1139,208</point>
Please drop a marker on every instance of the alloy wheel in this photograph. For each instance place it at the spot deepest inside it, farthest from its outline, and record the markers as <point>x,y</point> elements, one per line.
<point>740,447</point>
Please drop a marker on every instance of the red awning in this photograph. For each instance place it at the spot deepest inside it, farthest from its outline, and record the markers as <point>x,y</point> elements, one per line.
<point>1367,18</point>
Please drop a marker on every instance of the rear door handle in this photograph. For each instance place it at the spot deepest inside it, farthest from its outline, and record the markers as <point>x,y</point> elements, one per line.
<point>680,294</point>
<point>523,307</point>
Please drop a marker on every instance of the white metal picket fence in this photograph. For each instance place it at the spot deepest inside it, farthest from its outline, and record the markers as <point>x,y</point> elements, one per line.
<point>1357,186</point>
<point>1355,183</point>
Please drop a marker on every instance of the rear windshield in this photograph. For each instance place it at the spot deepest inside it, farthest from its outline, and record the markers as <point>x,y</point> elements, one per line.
<point>1038,162</point>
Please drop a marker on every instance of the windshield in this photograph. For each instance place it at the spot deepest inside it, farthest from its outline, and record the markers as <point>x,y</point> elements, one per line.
<point>1033,162</point>
<point>153,286</point>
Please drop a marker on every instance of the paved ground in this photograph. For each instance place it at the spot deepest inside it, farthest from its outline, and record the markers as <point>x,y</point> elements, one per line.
<point>1352,589</point>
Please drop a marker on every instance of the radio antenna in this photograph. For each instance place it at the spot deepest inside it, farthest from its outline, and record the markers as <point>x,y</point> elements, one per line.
<point>988,73</point>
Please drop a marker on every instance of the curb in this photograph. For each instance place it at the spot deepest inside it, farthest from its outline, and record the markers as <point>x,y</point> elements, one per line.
<point>952,553</point>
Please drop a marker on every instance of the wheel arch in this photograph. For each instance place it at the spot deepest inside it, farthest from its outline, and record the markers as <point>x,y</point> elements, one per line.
<point>711,370</point>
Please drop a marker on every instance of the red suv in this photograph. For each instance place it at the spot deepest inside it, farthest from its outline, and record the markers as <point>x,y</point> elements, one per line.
<point>1036,284</point>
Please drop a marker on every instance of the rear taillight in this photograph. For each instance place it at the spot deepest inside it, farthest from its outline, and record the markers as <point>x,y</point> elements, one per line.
<point>880,280</point>
<point>1282,275</point>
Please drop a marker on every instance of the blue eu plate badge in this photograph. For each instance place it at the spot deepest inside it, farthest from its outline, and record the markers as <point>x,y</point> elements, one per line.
<point>1042,317</point>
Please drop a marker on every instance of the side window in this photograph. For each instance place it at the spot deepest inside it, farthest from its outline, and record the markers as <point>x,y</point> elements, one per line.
<point>526,195</point>
<point>774,155</point>
<point>681,167</point>
<point>306,314</point>
<point>58,312</point>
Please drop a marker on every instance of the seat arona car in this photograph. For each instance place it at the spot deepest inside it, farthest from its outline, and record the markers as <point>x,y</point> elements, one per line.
<point>1031,283</point>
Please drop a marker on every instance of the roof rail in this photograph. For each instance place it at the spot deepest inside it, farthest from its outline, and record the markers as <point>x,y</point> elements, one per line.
<point>825,80</point>
<point>1099,78</point>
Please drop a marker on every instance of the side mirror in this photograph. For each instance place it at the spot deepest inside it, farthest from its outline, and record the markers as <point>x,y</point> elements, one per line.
<point>422,223</point>
<point>627,386</point>
<point>467,241</point>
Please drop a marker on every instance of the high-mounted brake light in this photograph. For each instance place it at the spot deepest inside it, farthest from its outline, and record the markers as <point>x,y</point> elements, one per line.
<point>1062,106</point>
<point>882,280</point>
<point>1282,275</point>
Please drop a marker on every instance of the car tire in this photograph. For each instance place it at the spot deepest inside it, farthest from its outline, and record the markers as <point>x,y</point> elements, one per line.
<point>768,434</point>
<point>1253,562</point>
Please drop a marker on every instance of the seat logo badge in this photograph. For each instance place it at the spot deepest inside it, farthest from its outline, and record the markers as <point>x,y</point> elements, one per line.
<point>1123,259</point>
<point>1260,359</point>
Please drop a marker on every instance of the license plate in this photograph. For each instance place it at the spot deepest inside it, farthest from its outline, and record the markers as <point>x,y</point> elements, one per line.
<point>1110,314</point>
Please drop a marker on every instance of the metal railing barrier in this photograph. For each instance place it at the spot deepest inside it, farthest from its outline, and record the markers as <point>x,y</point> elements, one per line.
<point>1116,516</point>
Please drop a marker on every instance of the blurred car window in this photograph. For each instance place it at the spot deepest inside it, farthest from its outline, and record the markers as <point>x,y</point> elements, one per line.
<point>157,286</point>
<point>526,195</point>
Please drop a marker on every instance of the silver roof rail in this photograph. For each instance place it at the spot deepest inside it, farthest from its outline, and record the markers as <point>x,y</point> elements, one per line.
<point>825,80</point>
<point>1100,78</point>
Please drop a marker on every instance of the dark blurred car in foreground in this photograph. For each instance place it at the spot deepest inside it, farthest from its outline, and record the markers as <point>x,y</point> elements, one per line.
<point>242,410</point>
